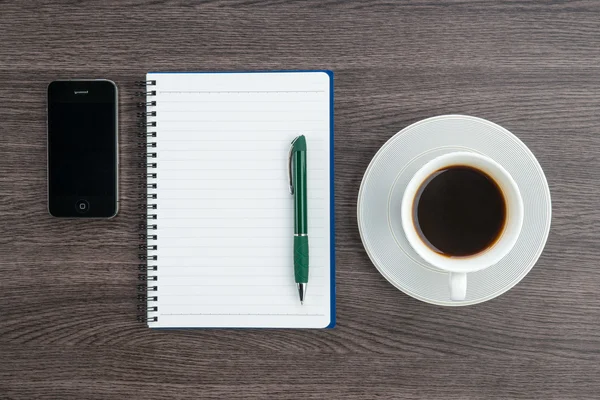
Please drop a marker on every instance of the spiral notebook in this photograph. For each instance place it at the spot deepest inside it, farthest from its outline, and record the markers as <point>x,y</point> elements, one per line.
<point>219,237</point>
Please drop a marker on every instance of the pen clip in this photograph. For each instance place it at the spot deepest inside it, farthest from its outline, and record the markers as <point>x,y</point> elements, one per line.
<point>290,155</point>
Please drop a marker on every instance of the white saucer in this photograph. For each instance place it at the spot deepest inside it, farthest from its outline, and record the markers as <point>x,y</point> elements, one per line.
<point>389,172</point>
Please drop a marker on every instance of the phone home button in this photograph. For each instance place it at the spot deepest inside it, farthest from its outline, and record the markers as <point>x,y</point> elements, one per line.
<point>82,206</point>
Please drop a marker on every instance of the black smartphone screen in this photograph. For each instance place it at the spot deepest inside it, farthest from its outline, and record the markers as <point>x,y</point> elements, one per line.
<point>82,149</point>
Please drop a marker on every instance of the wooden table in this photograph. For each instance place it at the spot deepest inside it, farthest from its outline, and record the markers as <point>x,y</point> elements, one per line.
<point>68,288</point>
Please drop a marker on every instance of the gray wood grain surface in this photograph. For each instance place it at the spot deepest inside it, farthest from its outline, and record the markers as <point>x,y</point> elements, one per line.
<point>67,288</point>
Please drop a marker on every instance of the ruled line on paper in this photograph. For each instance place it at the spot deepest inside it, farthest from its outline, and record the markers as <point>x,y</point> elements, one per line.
<point>235,285</point>
<point>318,179</point>
<point>241,122</point>
<point>227,295</point>
<point>238,91</point>
<point>239,101</point>
<point>166,131</point>
<point>228,237</point>
<point>226,140</point>
<point>235,257</point>
<point>250,314</point>
<point>233,198</point>
<point>239,111</point>
<point>226,169</point>
<point>312,267</point>
<point>233,151</point>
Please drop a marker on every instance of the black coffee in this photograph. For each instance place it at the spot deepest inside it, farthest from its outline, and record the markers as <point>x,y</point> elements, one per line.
<point>459,211</point>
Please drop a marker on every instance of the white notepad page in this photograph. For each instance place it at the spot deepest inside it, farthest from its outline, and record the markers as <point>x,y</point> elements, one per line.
<point>224,212</point>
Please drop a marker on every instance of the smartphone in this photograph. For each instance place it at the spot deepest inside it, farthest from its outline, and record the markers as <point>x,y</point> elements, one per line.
<point>83,149</point>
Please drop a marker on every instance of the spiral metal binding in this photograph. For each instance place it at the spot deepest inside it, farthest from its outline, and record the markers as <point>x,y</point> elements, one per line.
<point>148,280</point>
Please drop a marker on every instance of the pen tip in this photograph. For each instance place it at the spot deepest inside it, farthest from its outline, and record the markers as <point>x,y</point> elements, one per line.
<point>301,291</point>
<point>301,303</point>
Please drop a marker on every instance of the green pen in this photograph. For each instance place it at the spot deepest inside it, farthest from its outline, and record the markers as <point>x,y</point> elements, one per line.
<point>297,176</point>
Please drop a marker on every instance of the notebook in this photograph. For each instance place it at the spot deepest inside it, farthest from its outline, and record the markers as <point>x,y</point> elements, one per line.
<point>219,232</point>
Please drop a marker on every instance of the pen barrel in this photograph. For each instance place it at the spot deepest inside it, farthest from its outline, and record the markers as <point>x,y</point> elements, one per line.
<point>300,196</point>
<point>301,259</point>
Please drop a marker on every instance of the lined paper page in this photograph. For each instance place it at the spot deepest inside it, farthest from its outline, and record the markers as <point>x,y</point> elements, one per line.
<point>225,215</point>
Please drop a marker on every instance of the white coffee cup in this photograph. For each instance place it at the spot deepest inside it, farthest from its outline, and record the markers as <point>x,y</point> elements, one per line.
<point>458,267</point>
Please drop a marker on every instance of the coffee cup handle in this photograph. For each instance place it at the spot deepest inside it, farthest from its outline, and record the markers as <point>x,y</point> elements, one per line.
<point>458,286</point>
